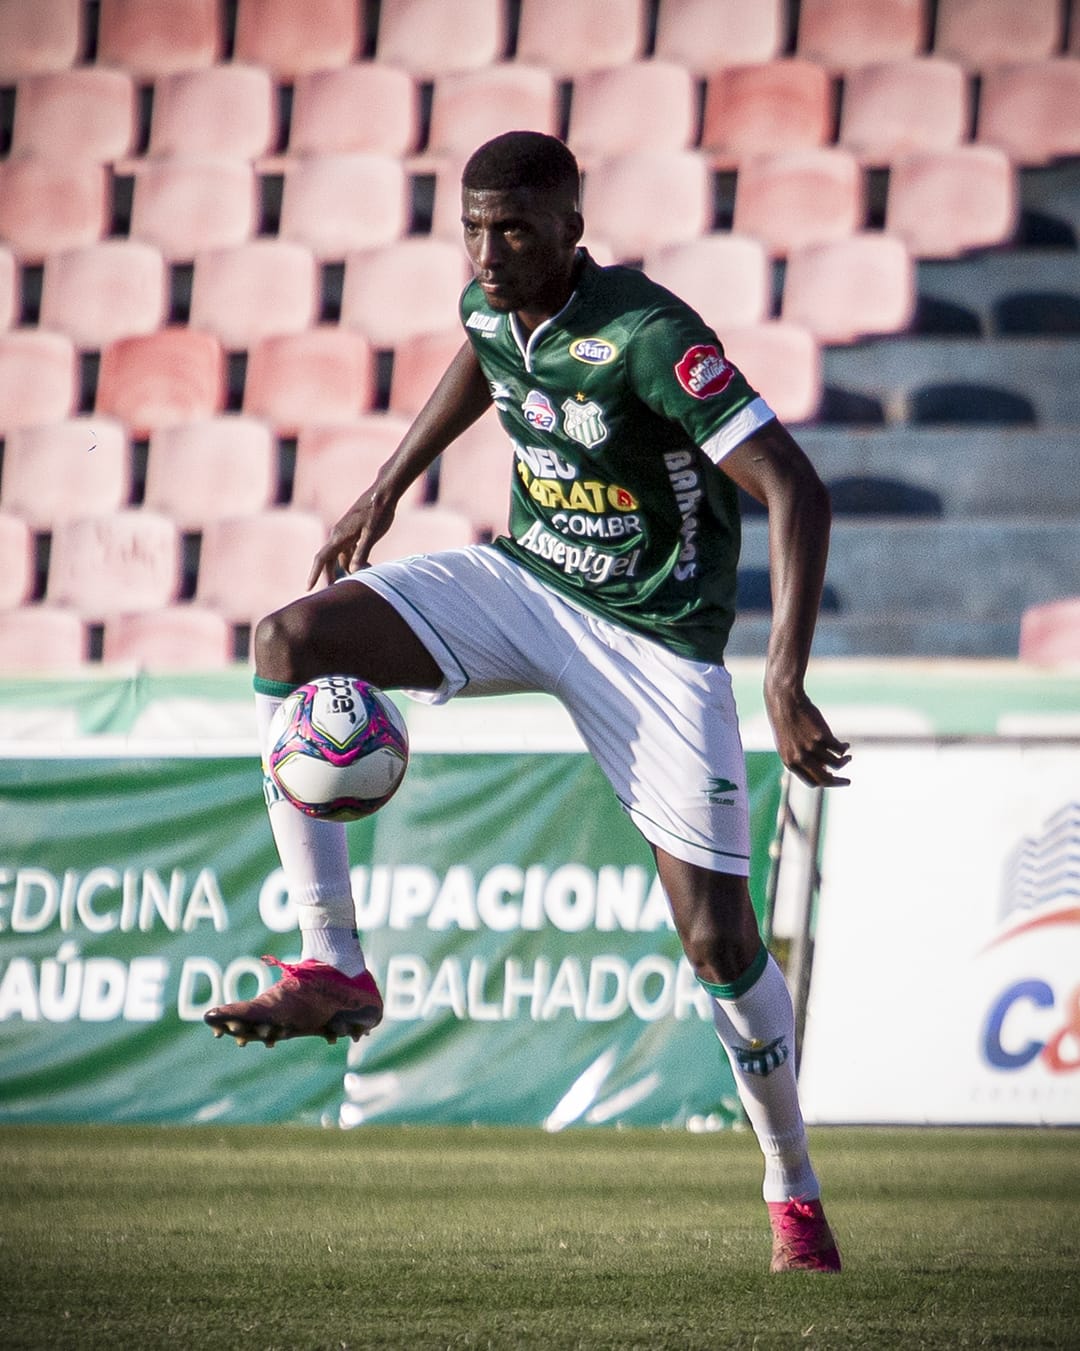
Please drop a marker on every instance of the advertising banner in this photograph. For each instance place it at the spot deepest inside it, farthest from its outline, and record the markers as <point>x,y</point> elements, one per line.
<point>946,979</point>
<point>509,909</point>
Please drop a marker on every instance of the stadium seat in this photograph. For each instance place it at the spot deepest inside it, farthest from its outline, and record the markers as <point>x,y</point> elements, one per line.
<point>848,288</point>
<point>419,364</point>
<point>39,37</point>
<point>37,378</point>
<point>223,110</point>
<point>1031,110</point>
<point>324,375</point>
<point>96,294</point>
<point>365,107</point>
<point>423,530</point>
<point>252,565</point>
<point>393,293</point>
<point>446,208</point>
<point>894,109</point>
<point>727,278</point>
<point>291,39</point>
<point>123,562</point>
<point>704,35</point>
<point>157,37</point>
<point>943,203</point>
<point>984,33</point>
<point>338,203</point>
<point>799,197</point>
<point>9,289</point>
<point>173,375</point>
<point>475,474</point>
<point>844,34</point>
<point>430,38</point>
<point>16,560</point>
<point>63,470</point>
<point>766,108</point>
<point>188,204</point>
<point>470,107</point>
<point>1050,633</point>
<point>87,113</point>
<point>569,38</point>
<point>47,205</point>
<point>41,640</point>
<point>335,464</point>
<point>782,361</point>
<point>176,638</point>
<point>676,185</point>
<point>209,469</point>
<point>642,105</point>
<point>254,290</point>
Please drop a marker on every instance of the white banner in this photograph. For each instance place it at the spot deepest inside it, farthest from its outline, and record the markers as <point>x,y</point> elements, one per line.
<point>946,978</point>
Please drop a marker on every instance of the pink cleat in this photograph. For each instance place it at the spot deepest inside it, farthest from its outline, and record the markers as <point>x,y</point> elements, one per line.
<point>311,1000</point>
<point>802,1239</point>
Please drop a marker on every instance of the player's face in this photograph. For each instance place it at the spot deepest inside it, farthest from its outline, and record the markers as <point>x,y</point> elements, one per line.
<point>521,245</point>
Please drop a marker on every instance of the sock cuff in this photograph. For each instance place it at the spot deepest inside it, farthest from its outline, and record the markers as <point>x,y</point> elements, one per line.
<point>276,689</point>
<point>739,987</point>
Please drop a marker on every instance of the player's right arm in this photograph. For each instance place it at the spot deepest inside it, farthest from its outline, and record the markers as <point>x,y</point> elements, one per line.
<point>460,397</point>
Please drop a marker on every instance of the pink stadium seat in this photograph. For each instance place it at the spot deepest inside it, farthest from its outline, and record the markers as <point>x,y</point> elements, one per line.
<point>210,469</point>
<point>108,565</point>
<point>324,375</point>
<point>16,561</point>
<point>186,205</point>
<point>848,288</point>
<point>41,640</point>
<point>1050,633</point>
<point>291,39</point>
<point>782,361</point>
<point>173,375</point>
<point>799,197</point>
<point>570,38</point>
<point>47,205</point>
<point>37,37</point>
<point>37,378</point>
<point>984,33</point>
<point>1031,110</point>
<point>430,38</point>
<point>335,464</point>
<point>157,37</point>
<point>254,290</point>
<point>64,470</point>
<point>704,35</point>
<point>337,203</point>
<point>177,638</point>
<point>424,530</point>
<point>252,565</point>
<point>87,113</point>
<point>642,105</point>
<point>675,184</point>
<point>9,289</point>
<point>843,34</point>
<point>727,278</point>
<point>942,203</point>
<point>470,107</point>
<point>96,294</point>
<point>446,210</point>
<point>922,103</point>
<point>413,286</point>
<point>419,364</point>
<point>223,110</point>
<point>475,475</point>
<point>766,108</point>
<point>363,107</point>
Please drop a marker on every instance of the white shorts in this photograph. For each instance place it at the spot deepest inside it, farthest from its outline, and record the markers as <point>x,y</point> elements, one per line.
<point>663,728</point>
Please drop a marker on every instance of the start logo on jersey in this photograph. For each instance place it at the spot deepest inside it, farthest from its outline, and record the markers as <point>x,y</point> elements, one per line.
<point>703,371</point>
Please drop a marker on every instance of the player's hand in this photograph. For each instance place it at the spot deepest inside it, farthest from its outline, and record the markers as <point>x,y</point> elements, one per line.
<point>804,740</point>
<point>352,539</point>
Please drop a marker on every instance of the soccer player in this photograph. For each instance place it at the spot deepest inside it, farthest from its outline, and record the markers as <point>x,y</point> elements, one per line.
<point>613,590</point>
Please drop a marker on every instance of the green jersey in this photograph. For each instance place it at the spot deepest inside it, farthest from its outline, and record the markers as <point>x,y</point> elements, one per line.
<point>619,409</point>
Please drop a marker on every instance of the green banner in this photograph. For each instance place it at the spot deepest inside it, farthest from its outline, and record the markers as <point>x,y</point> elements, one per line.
<point>510,911</point>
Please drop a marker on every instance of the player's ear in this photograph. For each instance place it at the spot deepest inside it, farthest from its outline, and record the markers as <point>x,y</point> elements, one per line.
<point>574,228</point>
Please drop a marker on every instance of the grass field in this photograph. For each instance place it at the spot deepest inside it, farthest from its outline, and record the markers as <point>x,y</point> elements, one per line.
<point>424,1238</point>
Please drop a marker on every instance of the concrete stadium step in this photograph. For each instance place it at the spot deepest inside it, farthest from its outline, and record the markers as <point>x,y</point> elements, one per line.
<point>1014,291</point>
<point>893,635</point>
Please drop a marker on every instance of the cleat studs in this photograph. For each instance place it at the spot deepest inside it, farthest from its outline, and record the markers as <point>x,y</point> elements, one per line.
<point>242,1041</point>
<point>218,1031</point>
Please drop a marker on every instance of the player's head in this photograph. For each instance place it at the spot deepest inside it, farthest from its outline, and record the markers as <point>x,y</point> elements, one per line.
<point>519,195</point>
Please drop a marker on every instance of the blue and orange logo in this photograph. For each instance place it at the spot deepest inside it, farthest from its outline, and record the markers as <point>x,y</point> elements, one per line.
<point>1058,1049</point>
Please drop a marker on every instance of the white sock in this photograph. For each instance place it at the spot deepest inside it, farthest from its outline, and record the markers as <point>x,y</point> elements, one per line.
<point>315,859</point>
<point>757,1030</point>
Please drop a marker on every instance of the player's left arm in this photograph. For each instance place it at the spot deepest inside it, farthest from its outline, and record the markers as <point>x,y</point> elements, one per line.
<point>772,468</point>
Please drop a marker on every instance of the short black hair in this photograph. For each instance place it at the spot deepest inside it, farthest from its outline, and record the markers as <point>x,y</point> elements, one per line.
<point>523,159</point>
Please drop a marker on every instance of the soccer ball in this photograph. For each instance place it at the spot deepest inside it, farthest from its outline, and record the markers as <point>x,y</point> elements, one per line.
<point>338,748</point>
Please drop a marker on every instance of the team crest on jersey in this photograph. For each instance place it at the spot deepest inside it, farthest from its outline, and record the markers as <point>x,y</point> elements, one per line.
<point>593,351</point>
<point>501,394</point>
<point>584,422</point>
<point>539,411</point>
<point>703,371</point>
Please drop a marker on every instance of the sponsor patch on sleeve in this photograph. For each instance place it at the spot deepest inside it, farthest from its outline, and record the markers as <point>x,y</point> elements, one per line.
<point>703,371</point>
